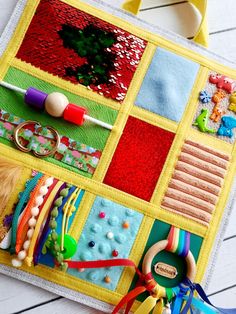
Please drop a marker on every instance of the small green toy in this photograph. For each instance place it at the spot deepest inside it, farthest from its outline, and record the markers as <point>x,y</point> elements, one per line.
<point>202,120</point>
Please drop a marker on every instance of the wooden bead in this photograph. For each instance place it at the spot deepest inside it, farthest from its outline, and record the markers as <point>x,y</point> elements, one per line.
<point>55,104</point>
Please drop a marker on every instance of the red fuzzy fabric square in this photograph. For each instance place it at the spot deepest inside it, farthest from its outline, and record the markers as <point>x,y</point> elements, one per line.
<point>139,158</point>
<point>44,47</point>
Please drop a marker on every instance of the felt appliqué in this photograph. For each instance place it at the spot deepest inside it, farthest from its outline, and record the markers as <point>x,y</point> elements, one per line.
<point>81,48</point>
<point>196,182</point>
<point>139,158</point>
<point>109,232</point>
<point>167,85</point>
<point>218,100</point>
<point>70,152</point>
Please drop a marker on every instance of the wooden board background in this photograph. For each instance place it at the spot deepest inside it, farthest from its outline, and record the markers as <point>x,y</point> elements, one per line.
<point>178,16</point>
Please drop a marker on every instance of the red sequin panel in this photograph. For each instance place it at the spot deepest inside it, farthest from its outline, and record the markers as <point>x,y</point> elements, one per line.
<point>139,158</point>
<point>43,47</point>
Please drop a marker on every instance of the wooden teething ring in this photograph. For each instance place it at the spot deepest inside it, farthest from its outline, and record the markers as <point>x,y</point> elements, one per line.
<point>147,265</point>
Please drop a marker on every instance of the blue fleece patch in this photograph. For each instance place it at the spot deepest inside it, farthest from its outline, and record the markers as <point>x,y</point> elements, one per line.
<point>167,85</point>
<point>108,234</point>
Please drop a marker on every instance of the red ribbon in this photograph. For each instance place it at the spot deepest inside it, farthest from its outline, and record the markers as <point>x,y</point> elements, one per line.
<point>128,299</point>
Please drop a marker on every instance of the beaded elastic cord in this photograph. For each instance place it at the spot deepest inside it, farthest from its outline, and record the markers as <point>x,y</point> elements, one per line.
<point>28,221</point>
<point>56,104</point>
<point>62,246</point>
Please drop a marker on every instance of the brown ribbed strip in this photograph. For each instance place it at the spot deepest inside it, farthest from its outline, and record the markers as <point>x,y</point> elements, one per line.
<point>194,191</point>
<point>204,165</point>
<point>208,150</point>
<point>187,216</point>
<point>203,155</point>
<point>198,173</point>
<point>189,199</point>
<point>186,208</point>
<point>196,182</point>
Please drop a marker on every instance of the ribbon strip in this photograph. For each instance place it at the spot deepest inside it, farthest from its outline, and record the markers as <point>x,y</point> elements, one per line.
<point>178,242</point>
<point>70,152</point>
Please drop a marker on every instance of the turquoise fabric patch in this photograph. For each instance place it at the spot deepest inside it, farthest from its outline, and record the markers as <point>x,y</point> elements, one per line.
<point>167,85</point>
<point>108,234</point>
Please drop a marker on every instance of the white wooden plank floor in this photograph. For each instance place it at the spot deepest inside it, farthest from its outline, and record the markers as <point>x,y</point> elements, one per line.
<point>178,16</point>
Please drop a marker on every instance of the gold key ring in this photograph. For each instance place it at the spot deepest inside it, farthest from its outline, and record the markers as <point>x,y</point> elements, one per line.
<point>27,150</point>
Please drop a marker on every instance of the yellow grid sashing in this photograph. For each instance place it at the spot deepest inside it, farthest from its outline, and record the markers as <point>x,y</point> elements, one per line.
<point>150,210</point>
<point>123,115</point>
<point>98,188</point>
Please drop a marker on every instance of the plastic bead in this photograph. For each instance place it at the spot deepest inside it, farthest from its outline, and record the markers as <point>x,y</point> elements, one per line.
<point>16,263</point>
<point>115,253</point>
<point>30,233</point>
<point>32,222</point>
<point>35,98</point>
<point>110,235</point>
<point>49,181</point>
<point>107,279</point>
<point>26,245</point>
<point>34,211</point>
<point>202,120</point>
<point>91,244</point>
<point>74,114</point>
<point>43,190</point>
<point>125,225</point>
<point>21,255</point>
<point>102,215</point>
<point>39,200</point>
<point>55,104</point>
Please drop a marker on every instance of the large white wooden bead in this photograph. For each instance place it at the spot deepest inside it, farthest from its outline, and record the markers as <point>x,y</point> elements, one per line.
<point>34,211</point>
<point>32,222</point>
<point>39,201</point>
<point>21,255</point>
<point>55,104</point>
<point>16,263</point>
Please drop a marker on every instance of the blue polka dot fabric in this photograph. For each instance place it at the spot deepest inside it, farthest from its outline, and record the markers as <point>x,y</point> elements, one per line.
<point>113,229</point>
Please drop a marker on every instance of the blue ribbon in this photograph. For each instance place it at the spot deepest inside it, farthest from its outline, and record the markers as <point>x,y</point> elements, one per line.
<point>186,286</point>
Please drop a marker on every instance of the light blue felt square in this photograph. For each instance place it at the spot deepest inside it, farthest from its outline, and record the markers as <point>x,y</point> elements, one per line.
<point>167,85</point>
<point>97,230</point>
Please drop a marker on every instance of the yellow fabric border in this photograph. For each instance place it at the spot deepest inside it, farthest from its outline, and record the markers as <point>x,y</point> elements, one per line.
<point>78,89</point>
<point>150,210</point>
<point>154,119</point>
<point>81,215</point>
<point>179,138</point>
<point>123,115</point>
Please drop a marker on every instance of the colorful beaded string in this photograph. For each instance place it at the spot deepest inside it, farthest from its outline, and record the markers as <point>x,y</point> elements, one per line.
<point>24,197</point>
<point>53,236</point>
<point>46,230</point>
<point>56,104</point>
<point>41,192</point>
<point>40,221</point>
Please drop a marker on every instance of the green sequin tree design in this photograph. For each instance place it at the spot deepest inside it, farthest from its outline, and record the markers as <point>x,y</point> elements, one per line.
<point>91,43</point>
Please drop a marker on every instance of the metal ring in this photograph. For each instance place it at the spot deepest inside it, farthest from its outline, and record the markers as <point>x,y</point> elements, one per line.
<point>27,150</point>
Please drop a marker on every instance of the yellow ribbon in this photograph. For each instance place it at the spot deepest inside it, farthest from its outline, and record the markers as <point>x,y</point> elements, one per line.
<point>151,302</point>
<point>158,309</point>
<point>202,36</point>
